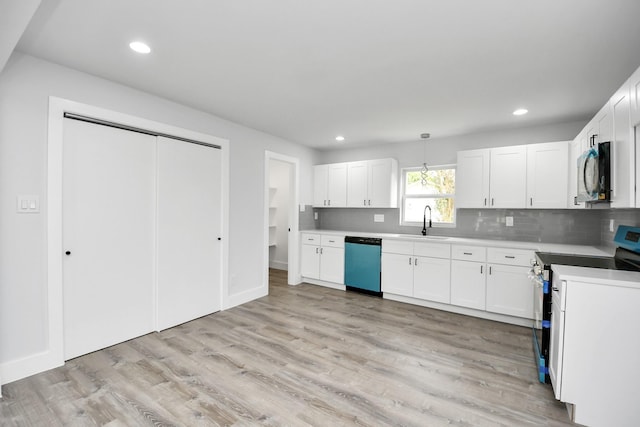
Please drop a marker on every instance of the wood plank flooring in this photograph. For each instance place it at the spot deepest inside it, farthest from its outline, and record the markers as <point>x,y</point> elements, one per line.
<point>304,355</point>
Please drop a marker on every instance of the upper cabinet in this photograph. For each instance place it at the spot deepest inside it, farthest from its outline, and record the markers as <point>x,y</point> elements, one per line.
<point>634,98</point>
<point>531,176</point>
<point>615,122</point>
<point>472,179</point>
<point>547,176</point>
<point>372,184</point>
<point>330,185</point>
<point>368,183</point>
<point>622,150</point>
<point>577,146</point>
<point>508,177</point>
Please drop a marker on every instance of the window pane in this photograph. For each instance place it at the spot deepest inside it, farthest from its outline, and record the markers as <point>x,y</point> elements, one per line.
<point>438,181</point>
<point>442,209</point>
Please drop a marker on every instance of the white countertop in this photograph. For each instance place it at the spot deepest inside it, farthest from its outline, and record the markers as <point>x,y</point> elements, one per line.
<point>537,246</point>
<point>629,279</point>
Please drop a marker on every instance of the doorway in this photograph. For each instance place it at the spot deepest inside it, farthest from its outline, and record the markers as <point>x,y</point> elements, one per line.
<point>281,215</point>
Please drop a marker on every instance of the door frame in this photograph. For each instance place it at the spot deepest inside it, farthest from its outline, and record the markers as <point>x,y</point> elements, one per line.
<point>54,355</point>
<point>293,238</point>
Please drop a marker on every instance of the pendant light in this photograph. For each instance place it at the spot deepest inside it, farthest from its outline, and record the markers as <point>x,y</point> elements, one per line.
<point>425,169</point>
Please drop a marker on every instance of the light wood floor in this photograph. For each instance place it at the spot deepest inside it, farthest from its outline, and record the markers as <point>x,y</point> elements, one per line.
<point>304,355</point>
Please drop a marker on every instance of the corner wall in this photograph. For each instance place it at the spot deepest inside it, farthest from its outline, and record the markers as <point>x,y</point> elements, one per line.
<point>25,86</point>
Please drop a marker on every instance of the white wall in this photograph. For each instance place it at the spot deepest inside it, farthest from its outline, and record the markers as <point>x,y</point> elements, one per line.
<point>442,151</point>
<point>25,85</point>
<point>280,173</point>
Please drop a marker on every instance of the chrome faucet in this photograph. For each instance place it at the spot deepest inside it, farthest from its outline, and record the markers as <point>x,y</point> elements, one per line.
<point>424,220</point>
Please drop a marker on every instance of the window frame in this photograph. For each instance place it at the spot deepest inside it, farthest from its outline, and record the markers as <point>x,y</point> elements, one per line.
<point>403,196</point>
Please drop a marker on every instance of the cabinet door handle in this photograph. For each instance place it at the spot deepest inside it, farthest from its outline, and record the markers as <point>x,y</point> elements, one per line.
<point>329,202</point>
<point>485,201</point>
<point>415,261</point>
<point>575,200</point>
<point>467,253</point>
<point>481,269</point>
<point>489,270</point>
<point>492,201</point>
<point>317,250</point>
<point>320,251</point>
<point>369,202</point>
<point>409,260</point>
<point>510,257</point>
<point>531,201</point>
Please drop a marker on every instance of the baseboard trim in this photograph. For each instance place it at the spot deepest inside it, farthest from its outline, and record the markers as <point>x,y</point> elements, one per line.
<point>461,310</point>
<point>245,297</point>
<point>18,369</point>
<point>279,265</point>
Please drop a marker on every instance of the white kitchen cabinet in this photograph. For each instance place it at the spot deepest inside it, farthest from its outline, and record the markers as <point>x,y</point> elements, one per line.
<point>420,270</point>
<point>493,178</point>
<point>322,257</point>
<point>634,98</point>
<point>432,279</point>
<point>594,353</point>
<point>508,177</point>
<point>372,183</point>
<point>472,179</point>
<point>330,185</point>
<point>509,290</point>
<point>576,148</point>
<point>468,273</point>
<point>622,151</point>
<point>600,128</point>
<point>397,273</point>
<point>547,175</point>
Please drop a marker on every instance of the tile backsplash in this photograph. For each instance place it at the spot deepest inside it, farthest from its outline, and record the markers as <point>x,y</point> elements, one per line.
<point>578,227</point>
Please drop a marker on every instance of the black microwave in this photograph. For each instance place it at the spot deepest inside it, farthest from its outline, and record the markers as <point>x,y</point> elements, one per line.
<point>594,174</point>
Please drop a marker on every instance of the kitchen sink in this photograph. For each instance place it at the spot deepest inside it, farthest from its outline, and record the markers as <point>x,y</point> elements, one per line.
<point>435,237</point>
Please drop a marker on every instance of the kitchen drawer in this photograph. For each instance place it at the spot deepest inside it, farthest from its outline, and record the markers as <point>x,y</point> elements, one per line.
<point>310,239</point>
<point>509,256</point>
<point>397,247</point>
<point>469,253</point>
<point>432,250</point>
<point>332,241</point>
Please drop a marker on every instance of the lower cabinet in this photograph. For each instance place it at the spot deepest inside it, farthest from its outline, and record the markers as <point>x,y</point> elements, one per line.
<point>431,279</point>
<point>322,257</point>
<point>509,290</point>
<point>468,272</point>
<point>468,284</point>
<point>408,271</point>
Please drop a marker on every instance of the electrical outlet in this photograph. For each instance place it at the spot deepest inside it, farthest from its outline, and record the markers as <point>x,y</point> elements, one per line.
<point>612,225</point>
<point>302,207</point>
<point>315,215</point>
<point>378,218</point>
<point>508,221</point>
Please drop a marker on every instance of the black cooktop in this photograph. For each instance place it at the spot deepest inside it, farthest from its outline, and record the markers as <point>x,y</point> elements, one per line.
<point>623,260</point>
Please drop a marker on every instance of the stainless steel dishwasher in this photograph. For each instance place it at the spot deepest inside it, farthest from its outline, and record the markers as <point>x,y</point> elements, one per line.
<point>362,264</point>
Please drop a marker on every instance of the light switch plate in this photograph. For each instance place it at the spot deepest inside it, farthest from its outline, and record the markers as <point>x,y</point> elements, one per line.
<point>378,217</point>
<point>28,204</point>
<point>509,221</point>
<point>302,208</point>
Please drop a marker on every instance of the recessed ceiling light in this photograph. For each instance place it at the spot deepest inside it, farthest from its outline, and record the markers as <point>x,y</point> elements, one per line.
<point>339,138</point>
<point>520,112</point>
<point>140,47</point>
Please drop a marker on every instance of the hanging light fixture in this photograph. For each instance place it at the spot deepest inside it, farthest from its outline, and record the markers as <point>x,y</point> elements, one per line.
<point>425,169</point>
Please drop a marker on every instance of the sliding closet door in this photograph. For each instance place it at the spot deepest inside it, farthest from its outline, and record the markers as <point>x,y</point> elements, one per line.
<point>189,225</point>
<point>108,235</point>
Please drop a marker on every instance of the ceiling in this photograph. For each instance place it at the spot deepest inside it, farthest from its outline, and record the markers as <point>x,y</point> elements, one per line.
<point>375,71</point>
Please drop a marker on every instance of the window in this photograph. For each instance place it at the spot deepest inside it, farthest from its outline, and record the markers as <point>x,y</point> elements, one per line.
<point>438,192</point>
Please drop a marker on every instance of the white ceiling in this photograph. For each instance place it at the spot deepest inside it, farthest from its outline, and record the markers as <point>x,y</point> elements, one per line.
<point>375,71</point>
